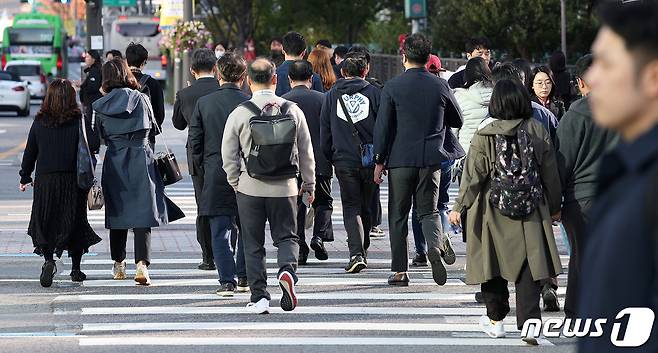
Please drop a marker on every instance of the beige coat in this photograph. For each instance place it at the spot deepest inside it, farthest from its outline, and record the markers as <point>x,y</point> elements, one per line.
<point>498,245</point>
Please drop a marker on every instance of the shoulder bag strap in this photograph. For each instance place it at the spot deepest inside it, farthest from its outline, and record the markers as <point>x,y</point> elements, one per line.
<point>142,82</point>
<point>355,132</point>
<point>83,126</point>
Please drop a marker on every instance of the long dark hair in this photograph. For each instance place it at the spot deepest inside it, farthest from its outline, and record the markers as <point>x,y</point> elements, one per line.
<point>476,71</point>
<point>96,56</point>
<point>116,74</point>
<point>59,106</point>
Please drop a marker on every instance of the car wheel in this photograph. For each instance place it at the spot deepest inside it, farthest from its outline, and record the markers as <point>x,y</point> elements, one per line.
<point>25,112</point>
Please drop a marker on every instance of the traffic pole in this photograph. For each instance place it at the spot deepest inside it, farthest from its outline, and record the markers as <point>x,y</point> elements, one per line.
<point>94,25</point>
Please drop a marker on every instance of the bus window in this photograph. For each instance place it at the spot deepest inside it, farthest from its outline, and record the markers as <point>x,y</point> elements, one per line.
<point>138,29</point>
<point>31,36</point>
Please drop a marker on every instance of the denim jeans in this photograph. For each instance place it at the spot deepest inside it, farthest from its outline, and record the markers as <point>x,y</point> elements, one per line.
<point>220,228</point>
<point>444,198</point>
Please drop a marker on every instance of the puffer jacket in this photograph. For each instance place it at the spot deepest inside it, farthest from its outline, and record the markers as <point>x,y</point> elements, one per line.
<point>474,103</point>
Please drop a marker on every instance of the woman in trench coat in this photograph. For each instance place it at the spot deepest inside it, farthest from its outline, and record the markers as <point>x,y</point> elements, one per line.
<point>133,188</point>
<point>501,249</point>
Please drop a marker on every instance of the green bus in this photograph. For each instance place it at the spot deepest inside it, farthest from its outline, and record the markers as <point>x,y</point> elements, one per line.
<point>36,36</point>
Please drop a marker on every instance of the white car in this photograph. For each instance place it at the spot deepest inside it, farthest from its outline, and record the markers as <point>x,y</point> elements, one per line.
<point>30,71</point>
<point>14,94</point>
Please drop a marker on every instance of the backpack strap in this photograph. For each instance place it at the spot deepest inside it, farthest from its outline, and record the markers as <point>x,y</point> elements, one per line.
<point>252,107</point>
<point>142,82</point>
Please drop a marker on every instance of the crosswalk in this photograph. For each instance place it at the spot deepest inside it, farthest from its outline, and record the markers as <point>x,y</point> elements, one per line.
<point>17,213</point>
<point>335,309</point>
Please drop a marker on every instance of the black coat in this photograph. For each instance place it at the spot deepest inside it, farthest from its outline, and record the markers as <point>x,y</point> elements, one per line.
<point>205,142</point>
<point>157,101</point>
<point>310,102</point>
<point>457,79</point>
<point>415,110</point>
<point>184,107</point>
<point>90,88</point>
<point>618,270</point>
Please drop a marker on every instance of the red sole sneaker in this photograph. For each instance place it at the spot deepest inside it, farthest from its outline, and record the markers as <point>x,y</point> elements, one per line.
<point>289,298</point>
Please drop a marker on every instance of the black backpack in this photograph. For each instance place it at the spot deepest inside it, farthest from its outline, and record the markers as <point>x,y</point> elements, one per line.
<point>273,153</point>
<point>516,188</point>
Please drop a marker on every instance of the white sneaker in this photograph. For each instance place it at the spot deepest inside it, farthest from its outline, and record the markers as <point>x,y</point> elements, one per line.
<point>496,330</point>
<point>531,338</point>
<point>119,270</point>
<point>261,307</point>
<point>142,275</point>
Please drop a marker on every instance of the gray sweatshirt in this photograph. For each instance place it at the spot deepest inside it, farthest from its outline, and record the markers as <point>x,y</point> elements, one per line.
<point>237,143</point>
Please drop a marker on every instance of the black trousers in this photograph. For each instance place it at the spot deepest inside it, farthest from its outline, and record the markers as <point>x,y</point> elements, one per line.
<point>376,208</point>
<point>118,239</point>
<point>421,186</point>
<point>356,188</point>
<point>323,208</point>
<point>281,213</point>
<point>574,219</point>
<point>496,297</point>
<point>203,235</point>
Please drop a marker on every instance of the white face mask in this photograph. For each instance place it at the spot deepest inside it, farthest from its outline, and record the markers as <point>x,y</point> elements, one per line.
<point>219,53</point>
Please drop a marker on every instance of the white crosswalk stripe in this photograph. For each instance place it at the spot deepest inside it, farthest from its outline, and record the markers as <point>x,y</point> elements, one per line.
<point>334,309</point>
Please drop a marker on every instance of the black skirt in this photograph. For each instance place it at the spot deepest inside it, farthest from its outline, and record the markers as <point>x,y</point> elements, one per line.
<point>59,216</point>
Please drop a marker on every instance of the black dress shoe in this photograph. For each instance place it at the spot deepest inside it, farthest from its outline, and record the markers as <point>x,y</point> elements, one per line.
<point>420,260</point>
<point>318,246</point>
<point>549,296</point>
<point>48,271</point>
<point>479,298</point>
<point>439,273</point>
<point>206,266</point>
<point>399,279</point>
<point>303,258</point>
<point>78,276</point>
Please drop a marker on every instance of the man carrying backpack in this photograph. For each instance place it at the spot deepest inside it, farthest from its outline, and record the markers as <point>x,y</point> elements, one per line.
<point>258,136</point>
<point>136,57</point>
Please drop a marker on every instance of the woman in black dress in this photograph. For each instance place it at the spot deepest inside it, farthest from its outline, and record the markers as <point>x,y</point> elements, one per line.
<point>58,220</point>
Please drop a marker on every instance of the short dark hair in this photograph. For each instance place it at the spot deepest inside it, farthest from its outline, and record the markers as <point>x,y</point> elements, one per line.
<point>262,70</point>
<point>276,39</point>
<point>525,69</point>
<point>582,65</point>
<point>360,49</point>
<point>116,74</point>
<point>509,101</point>
<point>477,70</point>
<point>637,23</point>
<point>477,43</point>
<point>340,51</point>
<point>355,64</point>
<point>136,55</point>
<point>115,53</point>
<point>232,67</point>
<point>203,60</point>
<point>300,70</point>
<point>548,72</point>
<point>417,48</point>
<point>324,42</point>
<point>505,71</point>
<point>294,43</point>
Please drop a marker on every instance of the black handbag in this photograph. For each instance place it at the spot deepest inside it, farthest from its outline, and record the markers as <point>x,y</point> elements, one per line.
<point>366,150</point>
<point>165,162</point>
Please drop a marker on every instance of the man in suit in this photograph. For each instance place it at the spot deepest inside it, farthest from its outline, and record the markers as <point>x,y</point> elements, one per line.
<point>216,197</point>
<point>310,101</point>
<point>413,155</point>
<point>294,48</point>
<point>204,70</point>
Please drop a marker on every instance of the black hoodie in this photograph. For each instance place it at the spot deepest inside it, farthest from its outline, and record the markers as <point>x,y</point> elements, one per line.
<point>362,101</point>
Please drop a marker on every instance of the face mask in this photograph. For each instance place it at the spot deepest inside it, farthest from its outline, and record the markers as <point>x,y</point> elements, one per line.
<point>219,53</point>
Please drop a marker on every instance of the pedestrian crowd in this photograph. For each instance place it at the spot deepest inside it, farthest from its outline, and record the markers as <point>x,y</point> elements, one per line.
<point>530,147</point>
